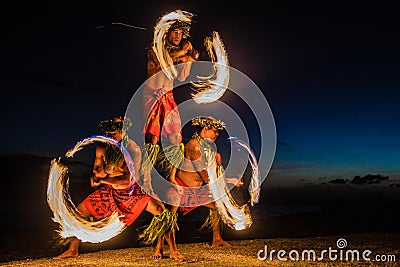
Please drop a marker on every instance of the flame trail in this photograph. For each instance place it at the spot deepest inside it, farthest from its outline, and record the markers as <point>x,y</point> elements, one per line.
<point>208,89</point>
<point>235,216</point>
<point>65,212</point>
<point>255,182</point>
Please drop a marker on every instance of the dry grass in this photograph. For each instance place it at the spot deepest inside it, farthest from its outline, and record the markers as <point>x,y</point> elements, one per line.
<point>242,253</point>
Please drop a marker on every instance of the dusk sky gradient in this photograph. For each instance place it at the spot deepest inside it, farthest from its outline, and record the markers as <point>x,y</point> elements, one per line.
<point>329,71</point>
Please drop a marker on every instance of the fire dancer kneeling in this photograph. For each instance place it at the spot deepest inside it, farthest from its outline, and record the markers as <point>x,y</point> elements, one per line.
<point>118,191</point>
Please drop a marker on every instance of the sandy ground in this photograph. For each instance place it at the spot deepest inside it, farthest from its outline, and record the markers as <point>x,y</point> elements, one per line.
<point>244,253</point>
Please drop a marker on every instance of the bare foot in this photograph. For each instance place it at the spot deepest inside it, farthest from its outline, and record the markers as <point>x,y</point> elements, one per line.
<point>158,255</point>
<point>176,255</point>
<point>220,243</point>
<point>67,254</point>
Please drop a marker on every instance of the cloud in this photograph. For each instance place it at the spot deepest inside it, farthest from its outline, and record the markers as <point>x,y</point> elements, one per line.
<point>369,179</point>
<point>338,181</point>
<point>361,180</point>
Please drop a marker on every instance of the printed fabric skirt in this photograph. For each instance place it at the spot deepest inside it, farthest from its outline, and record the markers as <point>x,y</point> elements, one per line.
<point>162,113</point>
<point>192,197</point>
<point>129,203</point>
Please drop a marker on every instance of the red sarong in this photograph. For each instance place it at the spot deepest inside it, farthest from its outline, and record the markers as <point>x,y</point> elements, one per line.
<point>162,113</point>
<point>129,203</point>
<point>192,197</point>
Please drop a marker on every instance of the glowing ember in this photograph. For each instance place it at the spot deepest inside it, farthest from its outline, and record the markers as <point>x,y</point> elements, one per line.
<point>65,212</point>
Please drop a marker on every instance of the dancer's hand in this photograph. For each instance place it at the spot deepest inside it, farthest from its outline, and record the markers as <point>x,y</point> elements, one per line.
<point>240,182</point>
<point>179,189</point>
<point>187,46</point>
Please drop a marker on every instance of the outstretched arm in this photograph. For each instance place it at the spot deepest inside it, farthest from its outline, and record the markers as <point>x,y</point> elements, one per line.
<point>237,182</point>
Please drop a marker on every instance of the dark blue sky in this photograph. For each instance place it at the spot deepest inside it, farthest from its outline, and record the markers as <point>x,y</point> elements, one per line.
<point>330,73</point>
